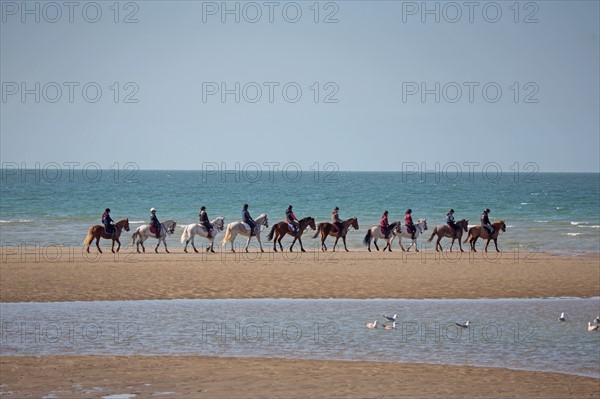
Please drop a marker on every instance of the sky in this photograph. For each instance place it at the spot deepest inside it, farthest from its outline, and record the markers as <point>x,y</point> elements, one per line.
<point>362,85</point>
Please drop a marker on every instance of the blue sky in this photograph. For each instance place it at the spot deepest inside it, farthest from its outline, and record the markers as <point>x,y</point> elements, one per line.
<point>528,79</point>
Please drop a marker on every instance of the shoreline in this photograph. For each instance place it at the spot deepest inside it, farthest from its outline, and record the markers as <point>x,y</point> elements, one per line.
<point>344,275</point>
<point>195,376</point>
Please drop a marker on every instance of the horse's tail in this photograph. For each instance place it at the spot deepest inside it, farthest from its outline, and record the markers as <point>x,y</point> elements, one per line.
<point>270,236</point>
<point>367,238</point>
<point>318,231</point>
<point>468,236</point>
<point>134,236</point>
<point>432,234</point>
<point>89,238</point>
<point>185,235</point>
<point>227,235</point>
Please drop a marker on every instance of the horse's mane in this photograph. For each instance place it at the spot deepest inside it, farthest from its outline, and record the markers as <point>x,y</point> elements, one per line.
<point>499,221</point>
<point>306,218</point>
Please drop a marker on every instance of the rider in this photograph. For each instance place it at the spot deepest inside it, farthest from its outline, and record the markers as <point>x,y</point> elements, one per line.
<point>108,222</point>
<point>408,222</point>
<point>384,224</point>
<point>336,221</point>
<point>154,221</point>
<point>450,221</point>
<point>291,219</point>
<point>204,221</point>
<point>485,222</point>
<point>246,218</point>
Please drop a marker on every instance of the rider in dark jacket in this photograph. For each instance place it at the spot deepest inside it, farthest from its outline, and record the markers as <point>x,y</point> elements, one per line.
<point>246,218</point>
<point>204,220</point>
<point>154,221</point>
<point>385,224</point>
<point>485,222</point>
<point>108,222</point>
<point>450,221</point>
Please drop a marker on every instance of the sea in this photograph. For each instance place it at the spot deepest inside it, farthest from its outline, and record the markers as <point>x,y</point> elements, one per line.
<point>546,212</point>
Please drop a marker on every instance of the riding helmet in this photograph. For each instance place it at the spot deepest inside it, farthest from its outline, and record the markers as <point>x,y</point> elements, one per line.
<point>107,210</point>
<point>487,210</point>
<point>203,208</point>
<point>409,210</point>
<point>152,210</point>
<point>245,206</point>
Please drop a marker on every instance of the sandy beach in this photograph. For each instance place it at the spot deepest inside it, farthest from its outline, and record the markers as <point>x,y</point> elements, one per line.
<point>73,276</point>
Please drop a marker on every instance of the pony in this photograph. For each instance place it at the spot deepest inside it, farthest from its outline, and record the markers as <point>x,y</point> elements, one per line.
<point>375,232</point>
<point>443,230</point>
<point>235,228</point>
<point>279,230</point>
<point>191,230</point>
<point>327,229</point>
<point>478,231</point>
<point>401,231</point>
<point>97,231</point>
<point>142,233</point>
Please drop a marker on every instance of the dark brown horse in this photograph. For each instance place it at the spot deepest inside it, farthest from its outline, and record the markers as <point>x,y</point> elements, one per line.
<point>97,231</point>
<point>477,231</point>
<point>279,230</point>
<point>327,229</point>
<point>443,230</point>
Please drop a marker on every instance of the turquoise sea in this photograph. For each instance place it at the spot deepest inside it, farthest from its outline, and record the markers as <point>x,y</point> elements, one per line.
<point>546,212</point>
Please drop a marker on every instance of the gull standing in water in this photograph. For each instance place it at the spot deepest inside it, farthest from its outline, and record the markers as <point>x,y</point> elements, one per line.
<point>372,325</point>
<point>466,325</point>
<point>591,327</point>
<point>392,327</point>
<point>562,317</point>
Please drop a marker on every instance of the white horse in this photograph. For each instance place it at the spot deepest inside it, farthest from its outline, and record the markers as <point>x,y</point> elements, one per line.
<point>235,228</point>
<point>400,231</point>
<point>143,232</point>
<point>191,230</point>
<point>375,233</point>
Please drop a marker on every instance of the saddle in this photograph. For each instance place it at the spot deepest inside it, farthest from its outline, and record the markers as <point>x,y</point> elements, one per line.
<point>152,229</point>
<point>109,230</point>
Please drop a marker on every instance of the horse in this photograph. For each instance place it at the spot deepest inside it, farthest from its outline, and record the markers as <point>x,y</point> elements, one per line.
<point>97,231</point>
<point>235,228</point>
<point>279,230</point>
<point>191,230</point>
<point>478,231</point>
<point>327,229</point>
<point>443,230</point>
<point>400,232</point>
<point>143,232</point>
<point>376,232</point>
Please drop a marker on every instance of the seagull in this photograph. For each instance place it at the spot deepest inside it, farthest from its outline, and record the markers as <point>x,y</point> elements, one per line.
<point>591,327</point>
<point>466,325</point>
<point>392,327</point>
<point>562,317</point>
<point>597,319</point>
<point>390,318</point>
<point>372,325</point>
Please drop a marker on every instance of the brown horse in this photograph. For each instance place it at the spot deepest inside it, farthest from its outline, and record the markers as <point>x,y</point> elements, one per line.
<point>97,231</point>
<point>478,231</point>
<point>279,230</point>
<point>443,230</point>
<point>327,229</point>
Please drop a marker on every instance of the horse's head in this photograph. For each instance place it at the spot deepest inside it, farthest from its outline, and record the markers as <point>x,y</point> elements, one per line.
<point>124,224</point>
<point>502,226</point>
<point>311,223</point>
<point>354,223</point>
<point>422,224</point>
<point>463,224</point>
<point>171,229</point>
<point>263,219</point>
<point>466,226</point>
<point>219,222</point>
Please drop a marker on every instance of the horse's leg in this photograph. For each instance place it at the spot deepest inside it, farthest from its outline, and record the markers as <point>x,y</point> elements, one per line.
<point>411,245</point>
<point>496,244</point>
<point>118,242</point>
<point>344,239</point>
<point>452,243</point>
<point>374,243</point>
<point>301,246</point>
<point>460,243</point>
<point>193,243</point>
<point>112,248</point>
<point>473,242</point>
<point>487,243</point>
<point>438,246</point>
<point>389,245</point>
<point>293,242</point>
<point>323,237</point>
<point>248,243</point>
<point>335,243</point>
<point>400,242</point>
<point>156,248</point>
<point>415,244</point>
<point>260,243</point>
<point>165,242</point>
<point>98,244</point>
<point>143,247</point>
<point>279,241</point>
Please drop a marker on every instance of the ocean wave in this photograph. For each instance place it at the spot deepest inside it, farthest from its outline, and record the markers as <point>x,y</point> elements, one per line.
<point>590,227</point>
<point>524,203</point>
<point>578,223</point>
<point>138,222</point>
<point>541,221</point>
<point>16,221</point>
<point>574,234</point>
